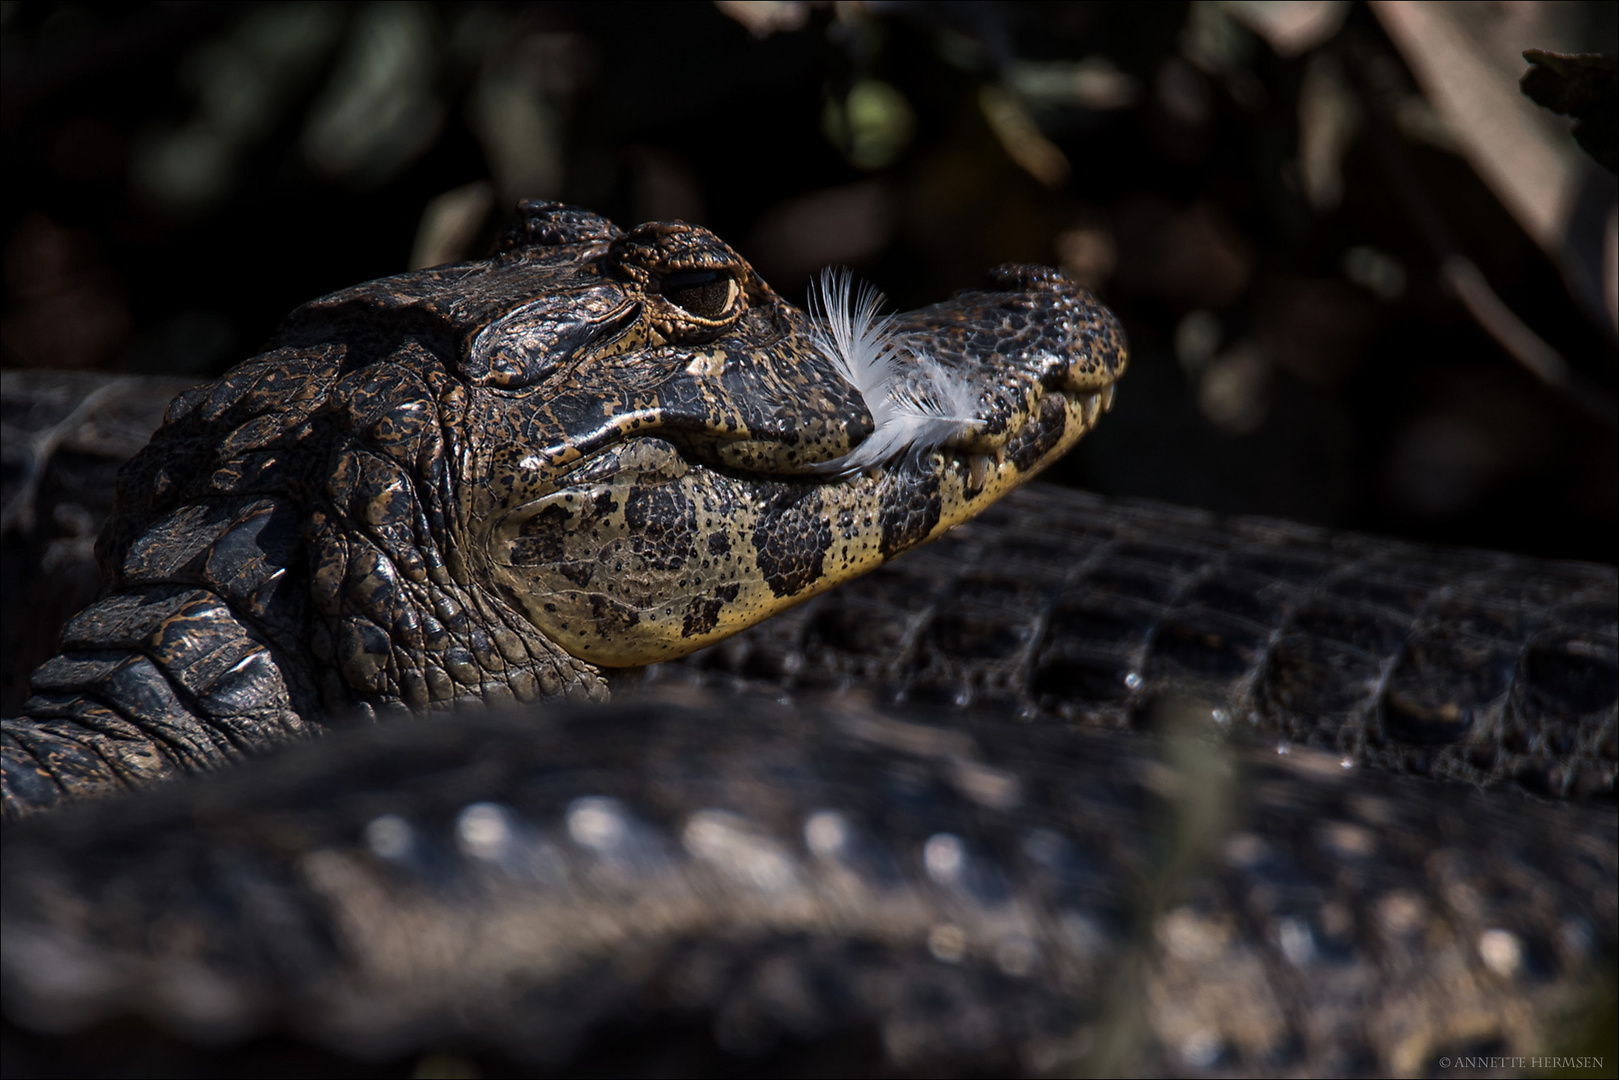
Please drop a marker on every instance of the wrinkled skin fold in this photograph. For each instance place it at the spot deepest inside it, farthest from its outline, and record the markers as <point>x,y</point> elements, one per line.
<point>492,480</point>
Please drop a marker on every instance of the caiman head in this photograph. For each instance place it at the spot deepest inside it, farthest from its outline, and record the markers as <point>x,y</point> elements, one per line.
<point>627,441</point>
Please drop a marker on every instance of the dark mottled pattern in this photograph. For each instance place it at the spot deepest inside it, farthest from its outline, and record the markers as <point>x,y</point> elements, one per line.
<point>703,613</point>
<point>542,540</point>
<point>978,896</point>
<point>907,520</point>
<point>1059,606</point>
<point>791,538</point>
<point>1040,440</point>
<point>663,529</point>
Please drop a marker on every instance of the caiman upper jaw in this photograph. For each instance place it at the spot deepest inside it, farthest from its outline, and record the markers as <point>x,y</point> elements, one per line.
<point>968,374</point>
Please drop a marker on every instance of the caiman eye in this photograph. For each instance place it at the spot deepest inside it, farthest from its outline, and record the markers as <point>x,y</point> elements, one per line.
<point>707,294</point>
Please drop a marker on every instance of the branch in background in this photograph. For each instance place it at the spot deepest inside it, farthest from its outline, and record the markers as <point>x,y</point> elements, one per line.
<point>17,518</point>
<point>1466,281</point>
<point>1462,277</point>
<point>1467,59</point>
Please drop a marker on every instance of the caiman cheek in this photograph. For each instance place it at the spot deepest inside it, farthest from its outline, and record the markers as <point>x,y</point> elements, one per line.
<point>649,564</point>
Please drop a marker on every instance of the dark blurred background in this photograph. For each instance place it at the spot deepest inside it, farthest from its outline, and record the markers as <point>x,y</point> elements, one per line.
<point>1367,282</point>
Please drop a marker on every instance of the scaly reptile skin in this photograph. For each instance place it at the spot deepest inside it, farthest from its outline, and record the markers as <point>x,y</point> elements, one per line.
<point>673,889</point>
<point>1323,921</point>
<point>1460,665</point>
<point>1058,603</point>
<point>64,436</point>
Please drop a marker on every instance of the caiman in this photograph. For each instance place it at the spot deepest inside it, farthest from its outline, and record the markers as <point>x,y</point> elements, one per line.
<point>551,473</point>
<point>492,480</point>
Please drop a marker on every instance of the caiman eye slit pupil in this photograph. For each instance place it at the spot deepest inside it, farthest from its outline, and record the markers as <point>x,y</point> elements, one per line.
<point>708,294</point>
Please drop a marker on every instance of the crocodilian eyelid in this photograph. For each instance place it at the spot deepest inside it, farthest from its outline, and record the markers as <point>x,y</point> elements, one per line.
<point>529,343</point>
<point>685,279</point>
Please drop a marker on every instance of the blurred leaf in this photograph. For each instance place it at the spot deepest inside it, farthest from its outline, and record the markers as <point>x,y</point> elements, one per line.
<point>1015,128</point>
<point>1291,27</point>
<point>872,126</point>
<point>766,17</point>
<point>1329,119</point>
<point>379,112</point>
<point>450,225</point>
<point>1092,83</point>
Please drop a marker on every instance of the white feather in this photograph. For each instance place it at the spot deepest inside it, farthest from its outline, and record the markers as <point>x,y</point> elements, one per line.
<point>916,404</point>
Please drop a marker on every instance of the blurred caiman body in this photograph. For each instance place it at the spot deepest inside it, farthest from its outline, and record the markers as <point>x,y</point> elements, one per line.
<point>1002,887</point>
<point>729,885</point>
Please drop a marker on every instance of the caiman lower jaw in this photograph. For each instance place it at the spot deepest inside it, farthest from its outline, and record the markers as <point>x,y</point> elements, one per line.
<point>970,479</point>
<point>649,556</point>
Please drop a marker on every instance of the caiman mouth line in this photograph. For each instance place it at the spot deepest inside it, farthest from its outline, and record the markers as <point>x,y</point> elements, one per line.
<point>977,458</point>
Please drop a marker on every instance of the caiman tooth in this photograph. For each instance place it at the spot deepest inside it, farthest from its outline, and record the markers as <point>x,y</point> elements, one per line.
<point>1092,407</point>
<point>1107,397</point>
<point>977,469</point>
